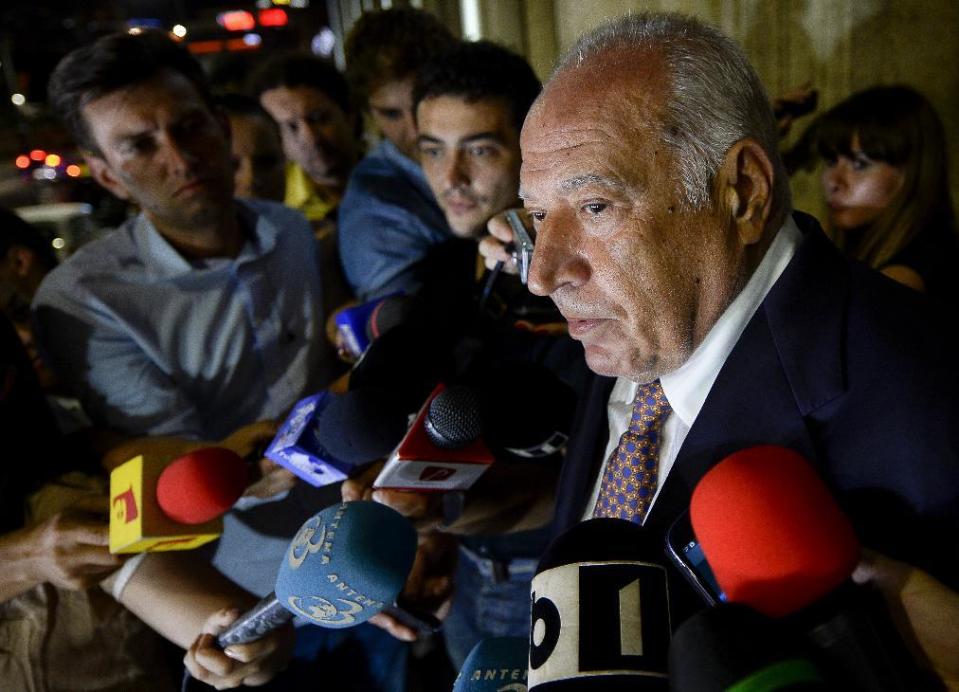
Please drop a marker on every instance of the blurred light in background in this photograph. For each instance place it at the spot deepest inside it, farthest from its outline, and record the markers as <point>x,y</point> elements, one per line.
<point>18,99</point>
<point>272,17</point>
<point>73,170</point>
<point>470,12</point>
<point>38,155</point>
<point>52,160</point>
<point>252,39</point>
<point>237,20</point>
<point>22,161</point>
<point>179,31</point>
<point>58,243</point>
<point>323,43</point>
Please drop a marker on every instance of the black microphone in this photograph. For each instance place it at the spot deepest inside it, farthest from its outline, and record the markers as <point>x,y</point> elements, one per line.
<point>409,360</point>
<point>732,647</point>
<point>394,311</point>
<point>600,616</point>
<point>526,410</point>
<point>328,437</point>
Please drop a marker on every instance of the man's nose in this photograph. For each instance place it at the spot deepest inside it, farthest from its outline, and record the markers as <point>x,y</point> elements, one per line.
<point>555,262</point>
<point>179,154</point>
<point>455,172</point>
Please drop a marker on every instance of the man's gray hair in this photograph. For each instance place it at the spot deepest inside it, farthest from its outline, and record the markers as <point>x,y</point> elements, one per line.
<point>715,97</point>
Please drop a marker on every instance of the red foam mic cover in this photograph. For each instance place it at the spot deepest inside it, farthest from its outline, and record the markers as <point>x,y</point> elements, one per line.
<point>771,531</point>
<point>201,485</point>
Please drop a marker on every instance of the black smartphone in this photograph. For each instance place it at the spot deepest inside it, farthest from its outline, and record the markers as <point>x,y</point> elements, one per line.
<point>686,553</point>
<point>411,616</point>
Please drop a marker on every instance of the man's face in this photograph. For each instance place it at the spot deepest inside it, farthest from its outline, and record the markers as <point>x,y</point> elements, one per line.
<point>391,106</point>
<point>316,133</point>
<point>470,154</point>
<point>257,158</point>
<point>640,277</point>
<point>162,147</point>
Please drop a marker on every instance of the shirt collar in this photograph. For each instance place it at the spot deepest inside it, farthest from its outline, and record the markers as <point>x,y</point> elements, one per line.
<point>687,387</point>
<point>164,261</point>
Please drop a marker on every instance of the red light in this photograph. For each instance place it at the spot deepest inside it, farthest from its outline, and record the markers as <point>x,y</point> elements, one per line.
<point>204,47</point>
<point>38,154</point>
<point>238,20</point>
<point>73,170</point>
<point>22,161</point>
<point>273,16</point>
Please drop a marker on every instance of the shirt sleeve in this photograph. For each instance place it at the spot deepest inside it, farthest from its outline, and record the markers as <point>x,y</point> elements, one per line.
<point>114,378</point>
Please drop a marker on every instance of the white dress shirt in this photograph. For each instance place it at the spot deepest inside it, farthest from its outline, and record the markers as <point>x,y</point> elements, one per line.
<point>686,388</point>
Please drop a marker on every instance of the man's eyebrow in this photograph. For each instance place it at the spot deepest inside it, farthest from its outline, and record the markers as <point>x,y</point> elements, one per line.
<point>495,136</point>
<point>428,139</point>
<point>571,184</point>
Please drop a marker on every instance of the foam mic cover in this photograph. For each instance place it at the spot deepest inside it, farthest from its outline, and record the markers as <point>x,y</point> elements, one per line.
<point>772,533</point>
<point>778,542</point>
<point>201,485</point>
<point>732,647</point>
<point>527,411</point>
<point>393,311</point>
<point>497,664</point>
<point>362,425</point>
<point>600,615</point>
<point>408,360</point>
<point>345,565</point>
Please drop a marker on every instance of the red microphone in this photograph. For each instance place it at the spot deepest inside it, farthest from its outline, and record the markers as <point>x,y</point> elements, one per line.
<point>777,541</point>
<point>157,505</point>
<point>772,533</point>
<point>201,485</point>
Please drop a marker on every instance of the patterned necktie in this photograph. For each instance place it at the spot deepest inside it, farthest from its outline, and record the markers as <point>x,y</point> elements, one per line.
<point>629,481</point>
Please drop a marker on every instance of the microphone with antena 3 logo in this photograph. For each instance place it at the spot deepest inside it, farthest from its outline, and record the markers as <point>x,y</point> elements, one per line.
<point>345,565</point>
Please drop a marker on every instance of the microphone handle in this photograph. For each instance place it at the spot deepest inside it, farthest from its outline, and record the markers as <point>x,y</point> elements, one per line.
<point>859,642</point>
<point>264,617</point>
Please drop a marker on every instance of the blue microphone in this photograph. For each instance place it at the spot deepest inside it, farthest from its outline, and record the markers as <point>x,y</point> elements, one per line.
<point>497,664</point>
<point>344,566</point>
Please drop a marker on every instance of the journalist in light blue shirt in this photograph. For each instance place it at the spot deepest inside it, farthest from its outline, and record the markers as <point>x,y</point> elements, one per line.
<point>155,344</point>
<point>388,222</point>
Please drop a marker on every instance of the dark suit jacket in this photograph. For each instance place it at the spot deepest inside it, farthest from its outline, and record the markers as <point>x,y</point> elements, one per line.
<point>847,368</point>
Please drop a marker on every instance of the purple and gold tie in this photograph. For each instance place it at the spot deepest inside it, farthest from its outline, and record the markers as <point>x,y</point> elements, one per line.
<point>629,482</point>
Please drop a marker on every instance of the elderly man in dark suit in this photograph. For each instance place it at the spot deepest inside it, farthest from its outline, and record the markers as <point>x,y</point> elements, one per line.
<point>712,317</point>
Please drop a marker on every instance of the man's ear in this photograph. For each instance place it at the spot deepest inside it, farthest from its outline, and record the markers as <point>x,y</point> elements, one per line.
<point>103,174</point>
<point>21,259</point>
<point>746,185</point>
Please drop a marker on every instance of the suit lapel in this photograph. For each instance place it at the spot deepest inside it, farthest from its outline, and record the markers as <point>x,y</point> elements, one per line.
<point>787,363</point>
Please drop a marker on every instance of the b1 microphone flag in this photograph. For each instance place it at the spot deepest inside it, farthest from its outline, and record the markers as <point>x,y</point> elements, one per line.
<point>138,523</point>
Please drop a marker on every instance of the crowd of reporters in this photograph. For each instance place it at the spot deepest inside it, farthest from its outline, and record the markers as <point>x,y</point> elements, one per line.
<point>261,228</point>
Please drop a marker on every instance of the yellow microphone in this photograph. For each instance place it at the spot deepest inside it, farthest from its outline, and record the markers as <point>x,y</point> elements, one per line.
<point>157,505</point>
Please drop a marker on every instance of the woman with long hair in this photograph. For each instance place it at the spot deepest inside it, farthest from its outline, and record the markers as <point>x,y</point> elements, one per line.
<point>885,181</point>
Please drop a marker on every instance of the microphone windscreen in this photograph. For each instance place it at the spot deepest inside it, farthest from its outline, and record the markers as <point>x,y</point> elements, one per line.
<point>497,664</point>
<point>526,409</point>
<point>346,564</point>
<point>407,360</point>
<point>734,647</point>
<point>391,312</point>
<point>201,485</point>
<point>362,425</point>
<point>453,418</point>
<point>600,614</point>
<point>772,532</point>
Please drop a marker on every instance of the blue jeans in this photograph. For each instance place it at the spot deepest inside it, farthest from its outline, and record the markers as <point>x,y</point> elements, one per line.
<point>484,607</point>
